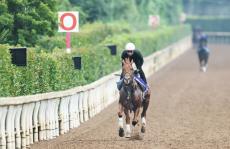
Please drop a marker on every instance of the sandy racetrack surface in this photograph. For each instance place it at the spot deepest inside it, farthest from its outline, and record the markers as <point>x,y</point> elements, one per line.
<point>188,110</point>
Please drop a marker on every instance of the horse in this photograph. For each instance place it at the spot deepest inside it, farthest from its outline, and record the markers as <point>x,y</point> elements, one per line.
<point>131,100</point>
<point>203,53</point>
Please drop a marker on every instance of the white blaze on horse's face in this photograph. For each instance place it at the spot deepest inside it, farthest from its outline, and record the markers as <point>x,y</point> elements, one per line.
<point>127,78</point>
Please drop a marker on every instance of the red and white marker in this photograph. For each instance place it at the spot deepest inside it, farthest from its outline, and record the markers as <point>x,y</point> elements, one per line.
<point>68,22</point>
<point>154,21</point>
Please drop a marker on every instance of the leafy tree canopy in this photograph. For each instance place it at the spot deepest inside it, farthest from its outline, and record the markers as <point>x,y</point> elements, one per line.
<point>24,21</point>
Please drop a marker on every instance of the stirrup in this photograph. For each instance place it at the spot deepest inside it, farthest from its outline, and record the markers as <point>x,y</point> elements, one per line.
<point>145,92</point>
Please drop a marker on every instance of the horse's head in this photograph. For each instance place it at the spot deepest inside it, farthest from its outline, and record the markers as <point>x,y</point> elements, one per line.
<point>127,71</point>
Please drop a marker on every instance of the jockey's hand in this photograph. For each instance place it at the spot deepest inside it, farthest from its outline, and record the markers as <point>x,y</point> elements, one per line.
<point>136,71</point>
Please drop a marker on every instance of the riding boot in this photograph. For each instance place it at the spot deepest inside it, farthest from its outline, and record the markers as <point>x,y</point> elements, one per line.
<point>119,84</point>
<point>145,91</point>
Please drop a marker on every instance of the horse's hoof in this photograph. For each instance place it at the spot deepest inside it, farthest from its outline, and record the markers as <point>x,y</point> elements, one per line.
<point>134,123</point>
<point>128,135</point>
<point>121,132</point>
<point>143,129</point>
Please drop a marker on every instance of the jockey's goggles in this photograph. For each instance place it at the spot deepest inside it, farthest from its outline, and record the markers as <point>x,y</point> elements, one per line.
<point>130,51</point>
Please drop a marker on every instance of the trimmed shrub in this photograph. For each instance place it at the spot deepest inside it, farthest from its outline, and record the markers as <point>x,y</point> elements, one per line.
<point>89,33</point>
<point>54,71</point>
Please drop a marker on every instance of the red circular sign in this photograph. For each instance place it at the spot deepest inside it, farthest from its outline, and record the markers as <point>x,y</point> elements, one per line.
<point>62,21</point>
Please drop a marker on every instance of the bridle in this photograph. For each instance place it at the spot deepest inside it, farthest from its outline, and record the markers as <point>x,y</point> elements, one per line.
<point>128,78</point>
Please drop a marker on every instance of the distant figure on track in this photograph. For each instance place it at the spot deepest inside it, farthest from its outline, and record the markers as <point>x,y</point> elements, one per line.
<point>203,51</point>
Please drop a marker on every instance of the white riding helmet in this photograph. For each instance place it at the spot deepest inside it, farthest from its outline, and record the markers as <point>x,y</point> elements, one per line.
<point>130,46</point>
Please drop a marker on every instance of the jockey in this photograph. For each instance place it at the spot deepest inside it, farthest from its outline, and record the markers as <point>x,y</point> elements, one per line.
<point>133,54</point>
<point>203,51</point>
<point>203,41</point>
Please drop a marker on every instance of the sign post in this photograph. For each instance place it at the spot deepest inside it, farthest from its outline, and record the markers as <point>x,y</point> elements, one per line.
<point>68,22</point>
<point>154,21</point>
<point>68,42</point>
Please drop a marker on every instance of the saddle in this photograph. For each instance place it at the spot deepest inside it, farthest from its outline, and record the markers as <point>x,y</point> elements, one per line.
<point>140,82</point>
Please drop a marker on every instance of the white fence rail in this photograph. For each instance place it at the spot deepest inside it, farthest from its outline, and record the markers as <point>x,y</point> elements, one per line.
<point>219,37</point>
<point>28,119</point>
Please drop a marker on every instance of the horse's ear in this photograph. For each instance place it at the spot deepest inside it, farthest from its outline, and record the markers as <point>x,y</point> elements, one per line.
<point>124,61</point>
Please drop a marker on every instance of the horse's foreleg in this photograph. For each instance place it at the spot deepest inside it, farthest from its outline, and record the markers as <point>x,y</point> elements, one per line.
<point>128,129</point>
<point>143,114</point>
<point>120,120</point>
<point>136,115</point>
<point>145,104</point>
<point>120,112</point>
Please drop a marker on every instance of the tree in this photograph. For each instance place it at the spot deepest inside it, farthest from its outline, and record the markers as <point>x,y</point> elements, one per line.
<point>107,10</point>
<point>30,20</point>
<point>169,10</point>
<point>66,5</point>
<point>6,21</point>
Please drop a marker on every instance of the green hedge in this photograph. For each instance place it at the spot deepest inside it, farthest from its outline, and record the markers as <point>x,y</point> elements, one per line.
<point>148,41</point>
<point>210,24</point>
<point>53,71</point>
<point>89,33</point>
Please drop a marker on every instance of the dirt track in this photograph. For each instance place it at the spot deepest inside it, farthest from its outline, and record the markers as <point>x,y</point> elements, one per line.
<point>188,109</point>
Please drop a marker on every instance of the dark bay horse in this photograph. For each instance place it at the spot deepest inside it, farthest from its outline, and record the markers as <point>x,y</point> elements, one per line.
<point>131,100</point>
<point>203,52</point>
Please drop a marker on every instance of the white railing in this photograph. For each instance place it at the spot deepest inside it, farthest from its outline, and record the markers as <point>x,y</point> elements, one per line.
<point>219,37</point>
<point>28,119</point>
